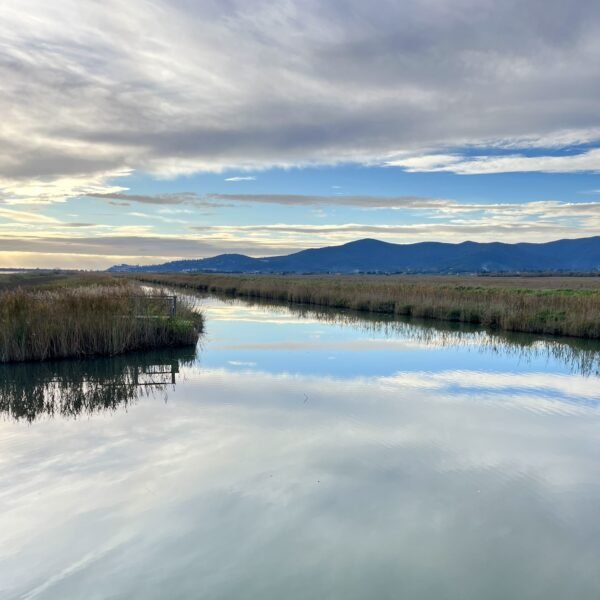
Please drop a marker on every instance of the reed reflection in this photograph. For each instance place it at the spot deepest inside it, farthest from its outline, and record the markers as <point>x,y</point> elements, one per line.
<point>580,356</point>
<point>29,391</point>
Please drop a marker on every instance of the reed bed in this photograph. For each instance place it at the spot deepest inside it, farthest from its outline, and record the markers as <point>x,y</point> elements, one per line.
<point>95,320</point>
<point>572,311</point>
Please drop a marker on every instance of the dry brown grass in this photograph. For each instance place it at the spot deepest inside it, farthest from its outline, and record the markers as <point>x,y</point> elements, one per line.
<point>41,324</point>
<point>556,306</point>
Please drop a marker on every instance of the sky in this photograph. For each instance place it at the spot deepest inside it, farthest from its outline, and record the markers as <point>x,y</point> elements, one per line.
<point>141,131</point>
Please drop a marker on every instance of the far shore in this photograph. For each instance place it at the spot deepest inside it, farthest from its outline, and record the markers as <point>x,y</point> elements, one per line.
<point>562,306</point>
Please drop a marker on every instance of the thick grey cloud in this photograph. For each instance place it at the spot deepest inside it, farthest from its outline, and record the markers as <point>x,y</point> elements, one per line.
<point>91,90</point>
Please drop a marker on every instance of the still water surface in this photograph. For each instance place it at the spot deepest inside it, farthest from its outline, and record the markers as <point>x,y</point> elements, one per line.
<point>305,455</point>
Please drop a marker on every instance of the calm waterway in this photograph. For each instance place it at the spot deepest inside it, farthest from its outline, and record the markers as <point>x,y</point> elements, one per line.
<point>305,455</point>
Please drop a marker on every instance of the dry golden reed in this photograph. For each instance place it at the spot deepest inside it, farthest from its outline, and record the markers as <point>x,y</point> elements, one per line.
<point>62,322</point>
<point>567,306</point>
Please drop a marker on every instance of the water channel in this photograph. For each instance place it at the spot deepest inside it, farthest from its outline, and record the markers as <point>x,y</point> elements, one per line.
<point>298,453</point>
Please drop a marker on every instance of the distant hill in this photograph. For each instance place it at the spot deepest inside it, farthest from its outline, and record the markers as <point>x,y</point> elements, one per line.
<point>374,256</point>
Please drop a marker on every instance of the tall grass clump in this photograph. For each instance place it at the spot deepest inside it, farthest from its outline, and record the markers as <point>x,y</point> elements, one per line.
<point>555,310</point>
<point>96,320</point>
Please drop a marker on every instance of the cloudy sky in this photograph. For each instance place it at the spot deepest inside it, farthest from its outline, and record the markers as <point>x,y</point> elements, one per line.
<point>145,130</point>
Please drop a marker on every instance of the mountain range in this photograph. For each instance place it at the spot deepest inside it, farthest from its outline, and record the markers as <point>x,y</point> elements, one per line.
<point>374,256</point>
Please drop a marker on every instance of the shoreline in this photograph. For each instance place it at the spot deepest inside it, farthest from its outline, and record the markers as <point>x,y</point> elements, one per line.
<point>558,311</point>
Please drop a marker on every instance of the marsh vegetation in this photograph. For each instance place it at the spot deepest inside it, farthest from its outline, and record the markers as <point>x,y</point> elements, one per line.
<point>543,305</point>
<point>91,319</point>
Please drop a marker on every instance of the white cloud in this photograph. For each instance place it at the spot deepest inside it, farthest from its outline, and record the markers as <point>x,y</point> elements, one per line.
<point>476,165</point>
<point>249,178</point>
<point>45,191</point>
<point>21,216</point>
<point>427,162</point>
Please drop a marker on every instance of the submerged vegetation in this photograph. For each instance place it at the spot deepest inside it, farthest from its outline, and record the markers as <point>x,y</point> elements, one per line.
<point>42,323</point>
<point>554,306</point>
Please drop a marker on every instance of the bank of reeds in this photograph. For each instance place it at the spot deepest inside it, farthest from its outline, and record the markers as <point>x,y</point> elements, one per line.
<point>554,311</point>
<point>38,324</point>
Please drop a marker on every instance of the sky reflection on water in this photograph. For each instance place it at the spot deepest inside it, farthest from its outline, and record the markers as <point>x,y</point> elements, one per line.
<point>297,457</point>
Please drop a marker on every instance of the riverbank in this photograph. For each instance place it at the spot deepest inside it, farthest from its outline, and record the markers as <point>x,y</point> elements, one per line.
<point>568,306</point>
<point>77,321</point>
